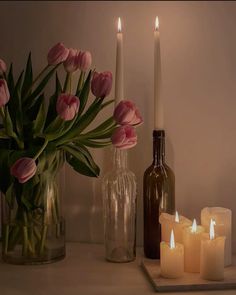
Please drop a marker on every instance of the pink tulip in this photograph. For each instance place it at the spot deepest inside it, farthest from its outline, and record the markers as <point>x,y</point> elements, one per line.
<point>101,84</point>
<point>127,113</point>
<point>84,60</point>
<point>4,93</point>
<point>71,63</point>
<point>67,106</point>
<point>24,169</point>
<point>57,54</point>
<point>124,137</point>
<point>3,67</point>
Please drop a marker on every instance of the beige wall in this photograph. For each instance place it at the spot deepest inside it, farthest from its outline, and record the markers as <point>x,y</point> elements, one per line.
<point>198,45</point>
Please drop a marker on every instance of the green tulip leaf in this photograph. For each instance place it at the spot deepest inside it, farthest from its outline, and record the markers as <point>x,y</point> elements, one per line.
<point>54,129</point>
<point>10,80</point>
<point>84,93</point>
<point>5,176</point>
<point>31,99</point>
<point>52,113</point>
<point>28,78</point>
<point>93,143</point>
<point>40,119</point>
<point>80,159</point>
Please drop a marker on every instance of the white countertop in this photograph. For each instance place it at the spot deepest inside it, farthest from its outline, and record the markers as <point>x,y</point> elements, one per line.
<point>84,271</point>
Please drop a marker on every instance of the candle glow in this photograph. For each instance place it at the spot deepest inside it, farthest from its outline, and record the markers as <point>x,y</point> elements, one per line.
<point>212,229</point>
<point>119,25</point>
<point>172,258</point>
<point>223,227</point>
<point>172,240</point>
<point>194,226</point>
<point>192,237</point>
<point>176,216</point>
<point>156,23</point>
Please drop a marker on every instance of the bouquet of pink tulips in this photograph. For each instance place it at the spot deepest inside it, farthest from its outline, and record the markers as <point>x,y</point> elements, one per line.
<point>38,135</point>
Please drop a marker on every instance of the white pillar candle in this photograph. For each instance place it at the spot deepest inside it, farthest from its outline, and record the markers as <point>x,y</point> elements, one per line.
<point>175,222</point>
<point>158,104</point>
<point>172,259</point>
<point>223,227</point>
<point>119,82</point>
<point>192,247</point>
<point>212,256</point>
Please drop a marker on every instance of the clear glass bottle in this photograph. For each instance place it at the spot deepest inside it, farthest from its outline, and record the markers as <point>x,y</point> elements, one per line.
<point>119,203</point>
<point>158,195</point>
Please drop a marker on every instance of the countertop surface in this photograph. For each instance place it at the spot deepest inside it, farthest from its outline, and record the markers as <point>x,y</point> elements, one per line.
<point>84,271</point>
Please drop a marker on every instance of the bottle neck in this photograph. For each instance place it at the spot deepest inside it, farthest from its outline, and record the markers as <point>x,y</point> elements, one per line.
<point>158,147</point>
<point>120,158</point>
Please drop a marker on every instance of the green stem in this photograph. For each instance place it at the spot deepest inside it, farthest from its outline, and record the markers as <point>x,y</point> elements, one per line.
<point>37,233</point>
<point>67,84</point>
<point>2,113</point>
<point>80,83</point>
<point>6,238</point>
<point>14,237</point>
<point>43,239</point>
<point>31,234</point>
<point>25,235</point>
<point>41,150</point>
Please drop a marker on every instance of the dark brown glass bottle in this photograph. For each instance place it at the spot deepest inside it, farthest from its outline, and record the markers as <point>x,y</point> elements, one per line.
<point>158,195</point>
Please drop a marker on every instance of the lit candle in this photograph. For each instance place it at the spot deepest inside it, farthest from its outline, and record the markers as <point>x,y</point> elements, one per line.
<point>223,227</point>
<point>172,258</point>
<point>192,247</point>
<point>175,222</point>
<point>119,83</point>
<point>212,255</point>
<point>158,104</point>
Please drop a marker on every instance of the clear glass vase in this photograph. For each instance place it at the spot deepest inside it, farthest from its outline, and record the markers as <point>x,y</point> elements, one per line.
<point>119,203</point>
<point>34,234</point>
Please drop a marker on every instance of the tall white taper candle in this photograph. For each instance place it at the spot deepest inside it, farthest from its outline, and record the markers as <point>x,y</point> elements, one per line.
<point>158,103</point>
<point>119,82</point>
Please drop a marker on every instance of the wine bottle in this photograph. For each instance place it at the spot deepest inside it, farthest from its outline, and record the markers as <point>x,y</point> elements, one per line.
<point>158,195</point>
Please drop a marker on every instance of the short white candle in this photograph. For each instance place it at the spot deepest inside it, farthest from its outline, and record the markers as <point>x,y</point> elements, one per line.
<point>119,82</point>
<point>172,259</point>
<point>192,247</point>
<point>212,256</point>
<point>223,227</point>
<point>158,103</point>
<point>175,222</point>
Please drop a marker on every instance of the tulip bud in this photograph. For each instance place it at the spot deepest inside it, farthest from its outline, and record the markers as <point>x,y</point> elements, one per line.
<point>101,84</point>
<point>57,54</point>
<point>3,67</point>
<point>4,93</point>
<point>124,137</point>
<point>24,169</point>
<point>70,64</point>
<point>84,60</point>
<point>67,106</point>
<point>127,113</point>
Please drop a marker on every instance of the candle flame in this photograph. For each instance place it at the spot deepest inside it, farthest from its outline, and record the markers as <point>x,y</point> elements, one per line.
<point>212,229</point>
<point>176,216</point>
<point>119,25</point>
<point>172,240</point>
<point>156,23</point>
<point>194,226</point>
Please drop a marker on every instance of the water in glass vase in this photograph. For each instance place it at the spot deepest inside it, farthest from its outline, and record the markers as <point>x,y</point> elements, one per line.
<point>33,234</point>
<point>119,202</point>
<point>158,195</point>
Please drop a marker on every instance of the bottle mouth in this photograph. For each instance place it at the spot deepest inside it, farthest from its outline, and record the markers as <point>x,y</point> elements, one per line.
<point>158,133</point>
